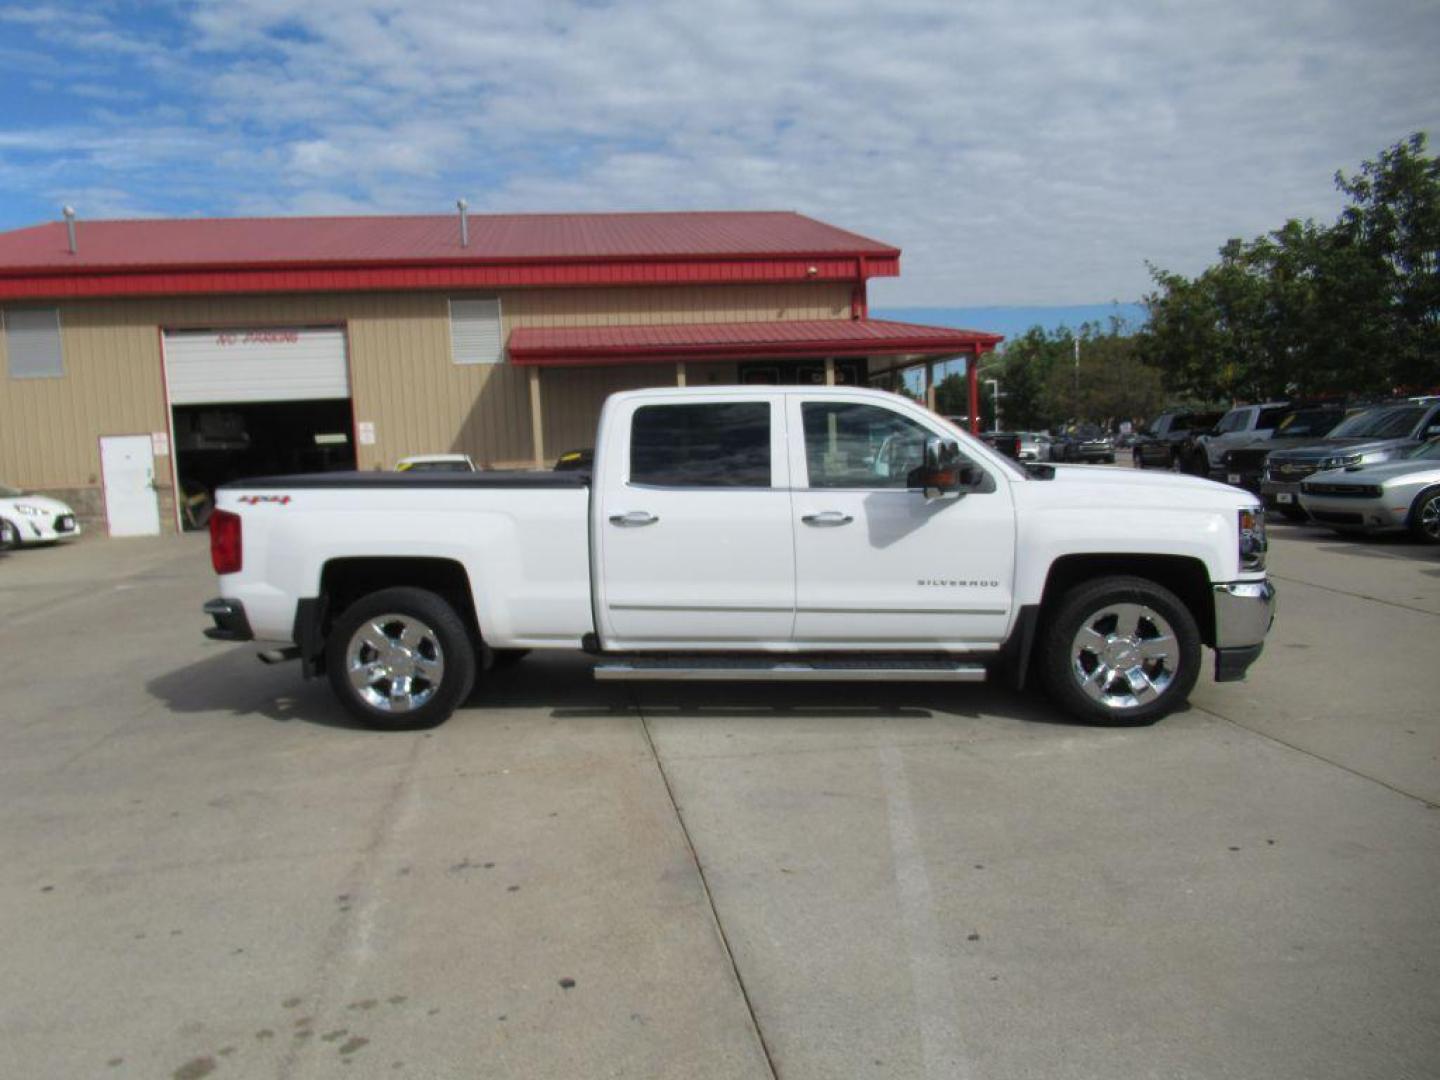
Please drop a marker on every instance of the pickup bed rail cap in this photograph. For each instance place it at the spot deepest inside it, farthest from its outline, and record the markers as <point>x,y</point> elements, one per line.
<point>518,478</point>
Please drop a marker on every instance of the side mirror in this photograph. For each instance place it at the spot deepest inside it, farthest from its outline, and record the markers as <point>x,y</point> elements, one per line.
<point>945,474</point>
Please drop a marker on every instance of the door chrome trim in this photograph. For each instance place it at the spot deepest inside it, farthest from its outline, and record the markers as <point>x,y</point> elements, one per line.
<point>699,607</point>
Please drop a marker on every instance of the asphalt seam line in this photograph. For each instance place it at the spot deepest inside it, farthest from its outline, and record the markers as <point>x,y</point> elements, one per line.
<point>1421,799</point>
<point>1358,596</point>
<point>705,887</point>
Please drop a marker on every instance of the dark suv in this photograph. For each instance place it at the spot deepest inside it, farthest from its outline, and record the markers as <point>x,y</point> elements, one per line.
<point>1158,445</point>
<point>1367,438</point>
<point>1244,465</point>
<point>1086,443</point>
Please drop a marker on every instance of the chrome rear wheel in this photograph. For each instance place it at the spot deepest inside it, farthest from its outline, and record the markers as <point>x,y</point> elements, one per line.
<point>401,658</point>
<point>395,662</point>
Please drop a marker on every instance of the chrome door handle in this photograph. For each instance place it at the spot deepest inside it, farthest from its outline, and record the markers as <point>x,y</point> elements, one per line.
<point>827,518</point>
<point>633,518</point>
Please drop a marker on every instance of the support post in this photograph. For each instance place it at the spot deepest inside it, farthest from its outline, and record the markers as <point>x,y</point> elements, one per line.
<point>537,421</point>
<point>829,371</point>
<point>930,385</point>
<point>972,372</point>
<point>680,373</point>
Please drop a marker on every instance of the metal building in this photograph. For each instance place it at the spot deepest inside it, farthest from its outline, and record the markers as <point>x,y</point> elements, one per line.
<point>142,358</point>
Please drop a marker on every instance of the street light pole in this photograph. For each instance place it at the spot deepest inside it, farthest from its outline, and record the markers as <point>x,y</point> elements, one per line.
<point>1077,374</point>
<point>995,390</point>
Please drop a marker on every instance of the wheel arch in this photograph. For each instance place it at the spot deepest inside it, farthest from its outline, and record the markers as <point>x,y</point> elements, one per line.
<point>347,579</point>
<point>1415,503</point>
<point>1183,575</point>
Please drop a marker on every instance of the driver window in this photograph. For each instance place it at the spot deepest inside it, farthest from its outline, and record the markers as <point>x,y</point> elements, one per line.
<point>849,445</point>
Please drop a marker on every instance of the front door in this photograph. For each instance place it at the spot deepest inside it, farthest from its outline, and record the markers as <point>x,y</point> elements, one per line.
<point>127,465</point>
<point>692,535</point>
<point>876,565</point>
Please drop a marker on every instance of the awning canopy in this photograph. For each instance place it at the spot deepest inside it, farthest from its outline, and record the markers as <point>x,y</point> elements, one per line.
<point>697,342</point>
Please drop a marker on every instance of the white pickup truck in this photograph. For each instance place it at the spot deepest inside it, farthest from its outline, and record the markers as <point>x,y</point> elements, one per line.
<point>752,533</point>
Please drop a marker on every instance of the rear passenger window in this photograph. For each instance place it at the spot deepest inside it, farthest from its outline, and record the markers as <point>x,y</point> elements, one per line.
<point>725,444</point>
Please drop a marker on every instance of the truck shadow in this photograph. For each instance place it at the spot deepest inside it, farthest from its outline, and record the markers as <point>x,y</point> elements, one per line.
<point>232,683</point>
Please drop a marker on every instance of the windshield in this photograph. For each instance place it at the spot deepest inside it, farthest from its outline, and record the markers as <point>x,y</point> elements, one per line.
<point>1309,423</point>
<point>7,492</point>
<point>1392,423</point>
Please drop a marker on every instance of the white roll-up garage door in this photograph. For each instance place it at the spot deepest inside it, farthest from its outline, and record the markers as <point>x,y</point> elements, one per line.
<point>273,364</point>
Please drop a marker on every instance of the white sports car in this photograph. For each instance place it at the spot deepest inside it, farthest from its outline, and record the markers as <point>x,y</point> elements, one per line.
<point>34,519</point>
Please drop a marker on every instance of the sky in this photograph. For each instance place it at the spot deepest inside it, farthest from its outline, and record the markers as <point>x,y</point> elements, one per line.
<point>1020,153</point>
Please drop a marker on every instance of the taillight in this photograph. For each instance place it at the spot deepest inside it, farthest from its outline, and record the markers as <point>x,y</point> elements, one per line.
<point>225,542</point>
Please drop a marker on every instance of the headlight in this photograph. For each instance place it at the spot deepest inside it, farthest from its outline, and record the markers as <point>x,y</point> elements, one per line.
<point>28,510</point>
<point>1340,461</point>
<point>1253,544</point>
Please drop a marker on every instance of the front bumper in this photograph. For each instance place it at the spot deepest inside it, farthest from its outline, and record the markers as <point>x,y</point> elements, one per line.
<point>1367,513</point>
<point>1278,493</point>
<point>45,528</point>
<point>1241,478</point>
<point>1244,611</point>
<point>231,622</point>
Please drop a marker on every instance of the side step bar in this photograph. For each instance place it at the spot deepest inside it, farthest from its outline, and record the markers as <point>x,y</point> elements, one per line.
<point>691,669</point>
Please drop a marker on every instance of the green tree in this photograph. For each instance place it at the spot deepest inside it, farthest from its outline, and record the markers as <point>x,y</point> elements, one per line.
<point>1309,309</point>
<point>1108,386</point>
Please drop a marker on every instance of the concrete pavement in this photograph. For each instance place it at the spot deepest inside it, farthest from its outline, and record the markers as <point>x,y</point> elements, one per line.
<point>208,871</point>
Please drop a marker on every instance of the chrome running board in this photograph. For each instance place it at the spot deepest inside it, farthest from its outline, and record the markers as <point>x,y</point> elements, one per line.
<point>692,669</point>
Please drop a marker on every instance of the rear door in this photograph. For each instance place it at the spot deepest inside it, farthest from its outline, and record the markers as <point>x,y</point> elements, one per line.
<point>876,566</point>
<point>692,528</point>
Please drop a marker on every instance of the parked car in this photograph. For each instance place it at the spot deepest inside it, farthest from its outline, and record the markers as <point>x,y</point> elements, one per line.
<point>1403,493</point>
<point>750,533</point>
<point>34,519</point>
<point>1007,442</point>
<point>1034,446</point>
<point>1158,446</point>
<point>1245,464</point>
<point>1203,454</point>
<point>1085,443</point>
<point>1367,438</point>
<point>435,463</point>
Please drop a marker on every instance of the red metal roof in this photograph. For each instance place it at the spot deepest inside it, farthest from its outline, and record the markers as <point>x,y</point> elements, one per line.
<point>285,254</point>
<point>588,345</point>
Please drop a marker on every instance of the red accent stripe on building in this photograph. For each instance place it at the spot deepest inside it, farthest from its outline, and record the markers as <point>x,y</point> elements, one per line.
<point>436,277</point>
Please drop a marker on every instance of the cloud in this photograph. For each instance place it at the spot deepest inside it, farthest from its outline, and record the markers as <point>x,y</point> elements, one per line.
<point>1019,152</point>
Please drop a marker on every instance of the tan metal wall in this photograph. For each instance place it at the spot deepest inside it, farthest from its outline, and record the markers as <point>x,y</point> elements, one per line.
<point>402,377</point>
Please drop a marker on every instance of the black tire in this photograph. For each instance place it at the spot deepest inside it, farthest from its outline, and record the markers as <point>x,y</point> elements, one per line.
<point>508,657</point>
<point>1065,670</point>
<point>435,632</point>
<point>1294,514</point>
<point>9,535</point>
<point>1425,516</point>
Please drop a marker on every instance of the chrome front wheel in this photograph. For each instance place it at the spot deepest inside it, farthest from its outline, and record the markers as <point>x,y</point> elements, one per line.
<point>1124,655</point>
<point>1427,518</point>
<point>1119,650</point>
